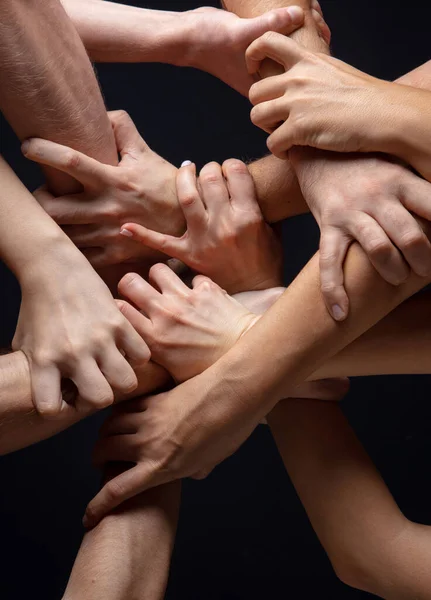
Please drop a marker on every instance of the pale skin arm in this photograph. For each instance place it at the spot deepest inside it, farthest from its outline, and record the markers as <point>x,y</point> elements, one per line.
<point>370,543</point>
<point>205,38</point>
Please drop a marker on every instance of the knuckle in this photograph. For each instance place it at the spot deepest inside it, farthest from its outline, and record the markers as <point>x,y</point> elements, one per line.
<point>235,165</point>
<point>379,248</point>
<point>328,288</point>
<point>130,280</point>
<point>114,491</point>
<point>189,198</point>
<point>412,239</point>
<point>119,116</point>
<point>103,399</point>
<point>71,160</point>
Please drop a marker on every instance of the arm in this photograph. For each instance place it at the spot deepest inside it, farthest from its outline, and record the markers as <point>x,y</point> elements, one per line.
<point>128,554</point>
<point>21,425</point>
<point>69,324</point>
<point>371,545</point>
<point>205,38</point>
<point>50,90</point>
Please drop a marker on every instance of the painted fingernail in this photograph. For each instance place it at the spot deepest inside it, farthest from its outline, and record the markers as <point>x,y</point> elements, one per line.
<point>126,233</point>
<point>186,163</point>
<point>296,13</point>
<point>338,313</point>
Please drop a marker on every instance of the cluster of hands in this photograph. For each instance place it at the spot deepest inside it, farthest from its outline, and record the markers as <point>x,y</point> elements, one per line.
<point>145,211</point>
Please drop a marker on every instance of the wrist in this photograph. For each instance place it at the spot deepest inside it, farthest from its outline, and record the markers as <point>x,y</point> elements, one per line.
<point>55,253</point>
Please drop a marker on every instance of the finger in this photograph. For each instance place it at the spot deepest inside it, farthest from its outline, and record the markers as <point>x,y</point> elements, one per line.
<point>117,371</point>
<point>407,234</point>
<point>127,137</point>
<point>95,393</point>
<point>140,292</point>
<point>67,210</point>
<point>202,280</point>
<point>240,185</point>
<point>383,255</point>
<point>138,321</point>
<point>284,20</point>
<point>88,171</point>
<point>46,390</point>
<point>333,250</point>
<point>275,46</point>
<point>268,89</point>
<point>134,346</point>
<point>125,486</point>
<point>190,200</point>
<point>163,278</point>
<point>282,139</point>
<point>270,115</point>
<point>116,448</point>
<point>214,190</point>
<point>416,197</point>
<point>168,244</point>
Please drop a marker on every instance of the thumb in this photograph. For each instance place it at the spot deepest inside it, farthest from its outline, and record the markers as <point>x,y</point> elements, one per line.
<point>276,47</point>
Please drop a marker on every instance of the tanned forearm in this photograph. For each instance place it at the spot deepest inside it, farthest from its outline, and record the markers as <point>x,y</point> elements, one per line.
<point>49,90</point>
<point>299,336</point>
<point>128,554</point>
<point>370,543</point>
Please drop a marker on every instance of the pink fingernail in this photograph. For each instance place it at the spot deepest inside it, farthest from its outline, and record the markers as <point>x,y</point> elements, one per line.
<point>338,313</point>
<point>186,163</point>
<point>126,233</point>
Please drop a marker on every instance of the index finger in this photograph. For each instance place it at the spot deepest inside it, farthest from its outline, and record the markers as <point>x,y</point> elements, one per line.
<point>275,46</point>
<point>126,485</point>
<point>88,171</point>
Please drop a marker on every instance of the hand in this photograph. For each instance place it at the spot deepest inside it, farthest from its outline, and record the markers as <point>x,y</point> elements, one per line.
<point>187,330</point>
<point>219,39</point>
<point>185,432</point>
<point>368,199</point>
<point>319,101</point>
<point>226,238</point>
<point>140,189</point>
<point>69,326</point>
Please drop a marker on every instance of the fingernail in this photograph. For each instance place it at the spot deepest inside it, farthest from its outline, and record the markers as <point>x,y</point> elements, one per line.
<point>24,147</point>
<point>186,163</point>
<point>126,233</point>
<point>296,13</point>
<point>338,313</point>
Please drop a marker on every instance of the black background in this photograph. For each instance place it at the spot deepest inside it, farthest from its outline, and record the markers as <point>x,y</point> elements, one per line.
<point>243,533</point>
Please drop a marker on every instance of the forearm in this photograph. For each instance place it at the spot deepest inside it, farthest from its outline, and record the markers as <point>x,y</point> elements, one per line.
<point>277,188</point>
<point>399,344</point>
<point>128,554</point>
<point>119,33</point>
<point>49,90</point>
<point>371,545</point>
<point>308,35</point>
<point>298,336</point>
<point>21,425</point>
